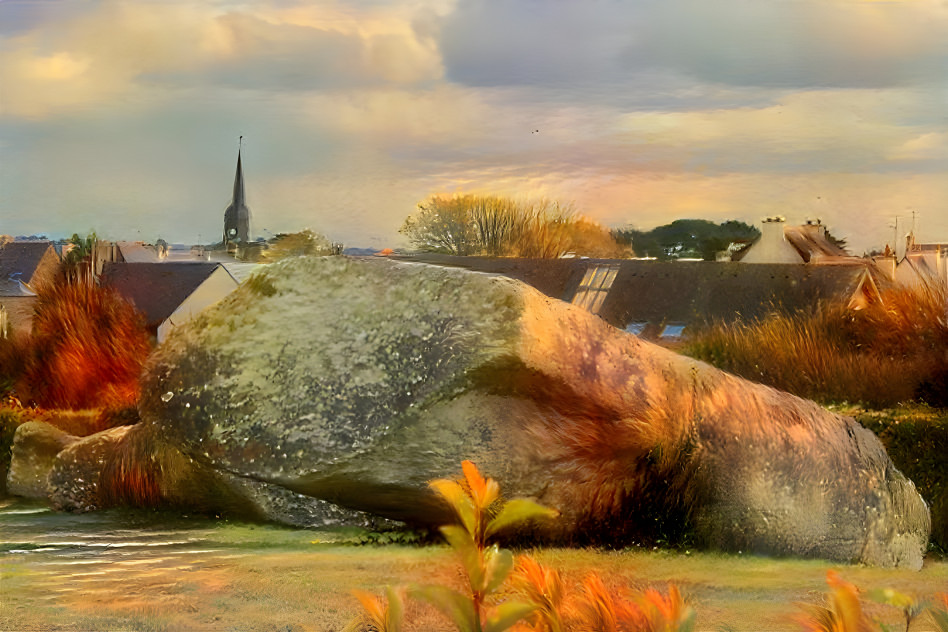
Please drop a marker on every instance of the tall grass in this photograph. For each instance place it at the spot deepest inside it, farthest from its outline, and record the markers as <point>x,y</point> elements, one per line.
<point>893,351</point>
<point>87,349</point>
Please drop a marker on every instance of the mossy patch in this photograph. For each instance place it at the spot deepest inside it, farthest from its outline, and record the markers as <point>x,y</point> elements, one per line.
<point>916,438</point>
<point>10,420</point>
<point>326,352</point>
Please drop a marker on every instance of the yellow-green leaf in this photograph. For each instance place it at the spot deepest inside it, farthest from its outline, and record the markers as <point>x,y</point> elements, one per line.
<point>517,511</point>
<point>395,610</point>
<point>463,544</point>
<point>506,615</point>
<point>498,563</point>
<point>452,604</point>
<point>900,600</point>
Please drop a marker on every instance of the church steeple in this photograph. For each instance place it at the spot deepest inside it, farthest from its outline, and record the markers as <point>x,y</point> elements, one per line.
<point>237,215</point>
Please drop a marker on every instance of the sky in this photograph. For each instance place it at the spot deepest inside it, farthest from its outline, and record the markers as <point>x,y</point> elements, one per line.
<point>124,117</point>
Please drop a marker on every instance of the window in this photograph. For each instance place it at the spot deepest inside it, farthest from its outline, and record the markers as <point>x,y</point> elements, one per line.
<point>636,327</point>
<point>595,286</point>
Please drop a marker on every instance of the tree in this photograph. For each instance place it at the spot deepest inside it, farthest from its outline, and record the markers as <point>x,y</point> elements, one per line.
<point>305,242</point>
<point>497,226</point>
<point>442,225</point>
<point>688,238</point>
<point>78,260</point>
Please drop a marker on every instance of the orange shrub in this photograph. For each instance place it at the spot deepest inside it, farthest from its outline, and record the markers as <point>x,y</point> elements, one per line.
<point>12,354</point>
<point>86,351</point>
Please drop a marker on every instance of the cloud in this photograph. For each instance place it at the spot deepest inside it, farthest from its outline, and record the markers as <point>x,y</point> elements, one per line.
<point>925,148</point>
<point>116,50</point>
<point>763,43</point>
<point>806,44</point>
<point>534,43</point>
<point>123,116</point>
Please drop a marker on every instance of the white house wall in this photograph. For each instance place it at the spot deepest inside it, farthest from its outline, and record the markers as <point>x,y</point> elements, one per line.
<point>217,286</point>
<point>772,247</point>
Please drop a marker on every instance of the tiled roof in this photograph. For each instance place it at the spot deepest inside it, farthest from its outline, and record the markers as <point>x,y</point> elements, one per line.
<point>683,292</point>
<point>137,252</point>
<point>156,289</point>
<point>711,291</point>
<point>19,259</point>
<point>10,288</point>
<point>810,242</point>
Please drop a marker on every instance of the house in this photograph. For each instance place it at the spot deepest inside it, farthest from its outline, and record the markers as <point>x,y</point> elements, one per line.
<point>924,265</point>
<point>25,268</point>
<point>134,252</point>
<point>170,293</point>
<point>661,299</point>
<point>781,243</point>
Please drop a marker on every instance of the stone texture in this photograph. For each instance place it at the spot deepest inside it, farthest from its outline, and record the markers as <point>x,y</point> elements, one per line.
<point>74,480</point>
<point>35,446</point>
<point>356,382</point>
<point>134,466</point>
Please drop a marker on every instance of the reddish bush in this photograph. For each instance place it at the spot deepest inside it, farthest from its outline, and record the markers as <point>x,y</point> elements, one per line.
<point>12,355</point>
<point>87,350</point>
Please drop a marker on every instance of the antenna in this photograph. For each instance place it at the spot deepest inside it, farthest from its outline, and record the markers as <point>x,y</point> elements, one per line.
<point>895,240</point>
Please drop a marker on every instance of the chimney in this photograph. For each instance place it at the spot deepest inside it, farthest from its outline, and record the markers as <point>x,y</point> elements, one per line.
<point>771,231</point>
<point>941,264</point>
<point>815,227</point>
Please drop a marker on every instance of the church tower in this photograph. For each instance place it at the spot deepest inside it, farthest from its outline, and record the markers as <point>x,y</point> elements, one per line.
<point>237,215</point>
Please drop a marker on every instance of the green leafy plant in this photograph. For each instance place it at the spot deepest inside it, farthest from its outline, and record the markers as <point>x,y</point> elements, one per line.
<point>391,536</point>
<point>475,501</point>
<point>916,439</point>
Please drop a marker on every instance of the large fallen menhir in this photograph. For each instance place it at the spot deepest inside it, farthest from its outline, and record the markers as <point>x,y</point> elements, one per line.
<point>354,382</point>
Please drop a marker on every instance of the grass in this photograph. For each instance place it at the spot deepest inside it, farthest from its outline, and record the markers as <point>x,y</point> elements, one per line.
<point>891,352</point>
<point>306,587</point>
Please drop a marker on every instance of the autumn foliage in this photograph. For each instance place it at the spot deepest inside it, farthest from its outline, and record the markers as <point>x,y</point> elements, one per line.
<point>496,226</point>
<point>86,351</point>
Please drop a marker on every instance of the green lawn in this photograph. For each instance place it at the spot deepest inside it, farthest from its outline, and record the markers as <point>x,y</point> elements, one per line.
<point>293,584</point>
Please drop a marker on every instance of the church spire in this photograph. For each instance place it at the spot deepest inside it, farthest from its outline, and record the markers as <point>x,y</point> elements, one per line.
<point>237,215</point>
